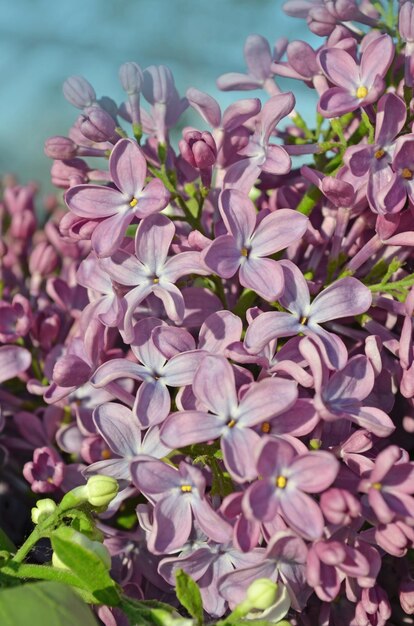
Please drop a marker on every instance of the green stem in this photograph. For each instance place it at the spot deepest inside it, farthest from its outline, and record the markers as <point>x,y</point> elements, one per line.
<point>309,200</point>
<point>30,542</point>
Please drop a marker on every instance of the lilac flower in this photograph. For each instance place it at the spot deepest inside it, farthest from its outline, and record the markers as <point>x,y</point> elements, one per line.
<point>45,472</point>
<point>231,418</point>
<point>341,395</point>
<point>13,361</point>
<point>302,65</point>
<point>248,242</point>
<point>123,436</point>
<point>118,207</point>
<point>178,495</point>
<point>356,85</point>
<point>260,154</point>
<point>151,271</point>
<point>343,298</point>
<point>389,486</point>
<point>286,480</point>
<point>285,561</point>
<point>152,403</point>
<point>258,56</point>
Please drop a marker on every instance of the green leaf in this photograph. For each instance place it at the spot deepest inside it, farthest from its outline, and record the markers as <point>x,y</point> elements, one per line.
<point>6,543</point>
<point>87,566</point>
<point>41,604</point>
<point>188,593</point>
<point>139,614</point>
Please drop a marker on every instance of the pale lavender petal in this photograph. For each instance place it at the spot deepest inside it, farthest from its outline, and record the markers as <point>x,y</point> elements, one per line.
<point>152,403</point>
<point>188,427</point>
<point>236,81</point>
<point>264,276</point>
<point>332,348</point>
<point>124,268</point>
<point>239,112</point>
<point>260,502</point>
<point>237,445</point>
<point>117,468</point>
<point>153,239</point>
<point>374,420</point>
<point>297,421</point>
<point>108,235</point>
<point>223,256</point>
<point>274,110</point>
<point>295,297</point>
<point>340,68</point>
<point>277,160</point>
<point>258,56</point>
<point>353,383</point>
<point>242,175</point>
<point>13,361</point>
<point>133,299</point>
<point>210,522</point>
<point>238,213</point>
<point>346,297</point>
<point>128,167</point>
<point>268,326</point>
<point>274,456</point>
<point>215,387</point>
<point>172,299</point>
<point>302,514</point>
<point>314,472</point>
<point>376,59</point>
<point>94,201</point>
<point>337,101</point>
<point>180,369</point>
<point>171,341</point>
<point>154,477</point>
<point>277,231</point>
<point>390,120</point>
<point>219,330</point>
<point>183,264</point>
<point>152,445</point>
<point>115,369</point>
<point>153,198</point>
<point>117,425</point>
<point>205,105</point>
<point>266,399</point>
<point>144,348</point>
<point>172,524</point>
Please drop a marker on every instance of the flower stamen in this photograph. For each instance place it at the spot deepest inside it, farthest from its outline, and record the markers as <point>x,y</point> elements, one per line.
<point>133,202</point>
<point>281,482</point>
<point>186,488</point>
<point>361,92</point>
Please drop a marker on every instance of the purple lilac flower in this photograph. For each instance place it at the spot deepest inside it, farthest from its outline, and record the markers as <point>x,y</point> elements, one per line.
<point>13,361</point>
<point>356,85</point>
<point>286,479</point>
<point>178,495</point>
<point>249,242</point>
<point>230,417</point>
<point>118,207</point>
<point>345,297</point>
<point>45,473</point>
<point>150,270</point>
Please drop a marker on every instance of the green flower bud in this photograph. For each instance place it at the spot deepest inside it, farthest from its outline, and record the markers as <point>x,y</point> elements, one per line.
<point>94,546</point>
<point>43,509</point>
<point>262,594</point>
<point>101,490</point>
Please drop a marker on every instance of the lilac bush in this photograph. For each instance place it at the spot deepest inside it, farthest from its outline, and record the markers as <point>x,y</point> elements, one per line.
<point>227,332</point>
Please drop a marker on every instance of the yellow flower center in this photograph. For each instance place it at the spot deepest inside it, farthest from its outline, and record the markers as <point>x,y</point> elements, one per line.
<point>407,173</point>
<point>231,423</point>
<point>281,482</point>
<point>155,280</point>
<point>244,252</point>
<point>379,154</point>
<point>133,202</point>
<point>304,320</point>
<point>376,486</point>
<point>186,488</point>
<point>265,427</point>
<point>361,92</point>
<point>106,454</point>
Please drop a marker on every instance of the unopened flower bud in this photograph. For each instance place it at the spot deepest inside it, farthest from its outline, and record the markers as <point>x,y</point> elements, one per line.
<point>131,77</point>
<point>79,92</point>
<point>69,172</point>
<point>98,126</point>
<point>43,259</point>
<point>198,148</point>
<point>94,546</point>
<point>406,594</point>
<point>59,147</point>
<point>101,489</point>
<point>262,593</point>
<point>43,509</point>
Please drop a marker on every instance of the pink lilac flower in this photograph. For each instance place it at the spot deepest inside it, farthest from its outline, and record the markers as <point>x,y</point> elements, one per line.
<point>150,270</point>
<point>178,496</point>
<point>118,207</point>
<point>356,85</point>
<point>13,361</point>
<point>152,403</point>
<point>230,417</point>
<point>286,480</point>
<point>345,297</point>
<point>249,242</point>
<point>45,473</point>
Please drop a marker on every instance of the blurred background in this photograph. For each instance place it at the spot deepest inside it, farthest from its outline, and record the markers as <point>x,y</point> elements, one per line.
<point>42,42</point>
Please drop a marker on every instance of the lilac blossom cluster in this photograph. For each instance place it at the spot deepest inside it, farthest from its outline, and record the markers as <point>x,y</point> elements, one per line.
<point>227,333</point>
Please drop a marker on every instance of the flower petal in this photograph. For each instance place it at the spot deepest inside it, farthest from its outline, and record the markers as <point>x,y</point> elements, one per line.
<point>128,167</point>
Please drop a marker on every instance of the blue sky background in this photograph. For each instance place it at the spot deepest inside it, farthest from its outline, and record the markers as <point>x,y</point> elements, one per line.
<point>42,42</point>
